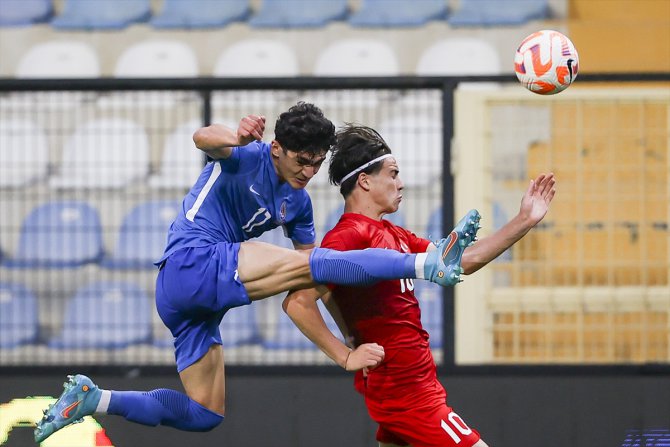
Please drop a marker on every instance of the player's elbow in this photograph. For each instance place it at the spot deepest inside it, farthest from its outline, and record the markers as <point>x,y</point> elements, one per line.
<point>200,138</point>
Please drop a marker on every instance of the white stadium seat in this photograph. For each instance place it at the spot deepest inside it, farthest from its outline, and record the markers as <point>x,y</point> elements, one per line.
<point>157,59</point>
<point>357,57</point>
<point>59,59</point>
<point>257,58</point>
<point>181,161</point>
<point>104,153</point>
<point>24,157</point>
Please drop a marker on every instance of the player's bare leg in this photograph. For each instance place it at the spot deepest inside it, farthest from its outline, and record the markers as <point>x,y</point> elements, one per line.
<point>267,269</point>
<point>204,381</point>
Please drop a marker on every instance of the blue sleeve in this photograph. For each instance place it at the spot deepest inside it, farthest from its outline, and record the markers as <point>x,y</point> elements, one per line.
<point>301,229</point>
<point>244,158</point>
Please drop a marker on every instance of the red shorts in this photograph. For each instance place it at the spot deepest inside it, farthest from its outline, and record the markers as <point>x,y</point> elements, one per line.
<point>422,419</point>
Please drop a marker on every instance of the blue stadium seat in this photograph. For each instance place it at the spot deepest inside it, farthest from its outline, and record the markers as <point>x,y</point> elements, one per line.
<point>476,13</point>
<point>196,14</point>
<point>19,322</point>
<point>239,327</point>
<point>398,13</point>
<point>105,315</point>
<point>430,297</point>
<point>101,14</point>
<point>287,335</point>
<point>143,235</point>
<point>298,13</point>
<point>59,235</point>
<point>24,12</point>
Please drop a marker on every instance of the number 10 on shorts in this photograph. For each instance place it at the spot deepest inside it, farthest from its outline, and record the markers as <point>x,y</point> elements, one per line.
<point>455,424</point>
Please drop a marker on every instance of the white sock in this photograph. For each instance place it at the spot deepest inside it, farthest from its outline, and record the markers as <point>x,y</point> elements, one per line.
<point>419,262</point>
<point>103,405</point>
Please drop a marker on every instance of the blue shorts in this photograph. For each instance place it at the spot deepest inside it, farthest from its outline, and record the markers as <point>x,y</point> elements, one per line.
<point>195,287</point>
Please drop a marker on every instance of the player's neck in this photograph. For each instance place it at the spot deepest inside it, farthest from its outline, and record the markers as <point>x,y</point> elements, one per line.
<point>367,209</point>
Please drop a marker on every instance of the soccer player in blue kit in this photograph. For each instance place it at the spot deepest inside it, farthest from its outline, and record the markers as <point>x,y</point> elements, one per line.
<point>210,266</point>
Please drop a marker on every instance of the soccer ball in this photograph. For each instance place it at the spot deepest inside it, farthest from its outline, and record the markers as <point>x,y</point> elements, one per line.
<point>546,62</point>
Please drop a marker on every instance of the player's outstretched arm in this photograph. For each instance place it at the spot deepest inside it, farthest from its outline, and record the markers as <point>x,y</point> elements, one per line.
<point>534,206</point>
<point>300,305</point>
<point>218,140</point>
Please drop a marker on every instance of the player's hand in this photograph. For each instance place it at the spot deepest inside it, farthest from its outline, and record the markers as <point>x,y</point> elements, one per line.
<point>251,128</point>
<point>538,196</point>
<point>367,355</point>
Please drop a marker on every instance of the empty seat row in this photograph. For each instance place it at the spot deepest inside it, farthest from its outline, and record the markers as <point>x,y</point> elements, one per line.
<point>67,234</point>
<point>166,58</point>
<point>118,314</point>
<point>103,153</point>
<point>202,14</point>
<point>114,153</point>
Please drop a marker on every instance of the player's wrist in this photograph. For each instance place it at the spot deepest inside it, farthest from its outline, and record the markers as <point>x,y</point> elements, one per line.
<point>346,360</point>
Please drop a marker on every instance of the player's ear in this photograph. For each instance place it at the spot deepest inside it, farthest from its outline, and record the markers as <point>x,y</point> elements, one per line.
<point>364,181</point>
<point>275,148</point>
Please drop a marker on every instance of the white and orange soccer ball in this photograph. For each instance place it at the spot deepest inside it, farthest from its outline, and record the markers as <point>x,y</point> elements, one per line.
<point>546,62</point>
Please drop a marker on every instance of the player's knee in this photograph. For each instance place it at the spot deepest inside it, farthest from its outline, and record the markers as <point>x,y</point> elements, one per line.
<point>207,419</point>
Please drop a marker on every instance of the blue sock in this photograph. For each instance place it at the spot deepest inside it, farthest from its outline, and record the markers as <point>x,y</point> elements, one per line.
<point>360,267</point>
<point>163,407</point>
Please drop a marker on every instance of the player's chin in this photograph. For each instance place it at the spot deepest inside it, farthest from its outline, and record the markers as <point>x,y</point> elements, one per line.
<point>299,184</point>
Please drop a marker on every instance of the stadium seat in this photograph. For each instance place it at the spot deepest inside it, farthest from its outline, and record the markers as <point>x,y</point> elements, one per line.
<point>416,142</point>
<point>143,235</point>
<point>286,334</point>
<point>181,162</point>
<point>19,320</point>
<point>431,302</point>
<point>298,13</point>
<point>24,12</point>
<point>257,58</point>
<point>105,315</point>
<point>25,153</point>
<point>478,13</point>
<point>157,59</point>
<point>59,59</point>
<point>357,57</point>
<point>239,327</point>
<point>198,14</point>
<point>398,13</point>
<point>101,14</point>
<point>59,235</point>
<point>104,153</point>
<point>459,56</point>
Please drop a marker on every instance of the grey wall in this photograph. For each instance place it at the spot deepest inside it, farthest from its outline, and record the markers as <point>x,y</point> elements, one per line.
<point>325,411</point>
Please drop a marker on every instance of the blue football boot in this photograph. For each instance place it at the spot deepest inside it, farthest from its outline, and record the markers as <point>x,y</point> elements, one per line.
<point>80,398</point>
<point>443,266</point>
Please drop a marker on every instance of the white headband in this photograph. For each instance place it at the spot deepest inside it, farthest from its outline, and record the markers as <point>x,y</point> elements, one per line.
<point>360,168</point>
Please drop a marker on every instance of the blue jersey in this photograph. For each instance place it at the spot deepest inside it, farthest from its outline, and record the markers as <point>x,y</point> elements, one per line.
<point>239,198</point>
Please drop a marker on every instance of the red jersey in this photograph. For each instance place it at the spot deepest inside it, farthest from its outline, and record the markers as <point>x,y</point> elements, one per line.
<point>387,312</point>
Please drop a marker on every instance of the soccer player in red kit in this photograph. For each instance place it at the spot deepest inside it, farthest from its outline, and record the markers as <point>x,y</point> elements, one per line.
<point>403,393</point>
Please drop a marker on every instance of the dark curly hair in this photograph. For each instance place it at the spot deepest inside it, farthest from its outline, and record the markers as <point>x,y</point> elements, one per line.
<point>303,128</point>
<point>356,145</point>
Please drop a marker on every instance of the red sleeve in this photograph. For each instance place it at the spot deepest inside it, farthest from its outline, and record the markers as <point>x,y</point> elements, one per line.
<point>416,244</point>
